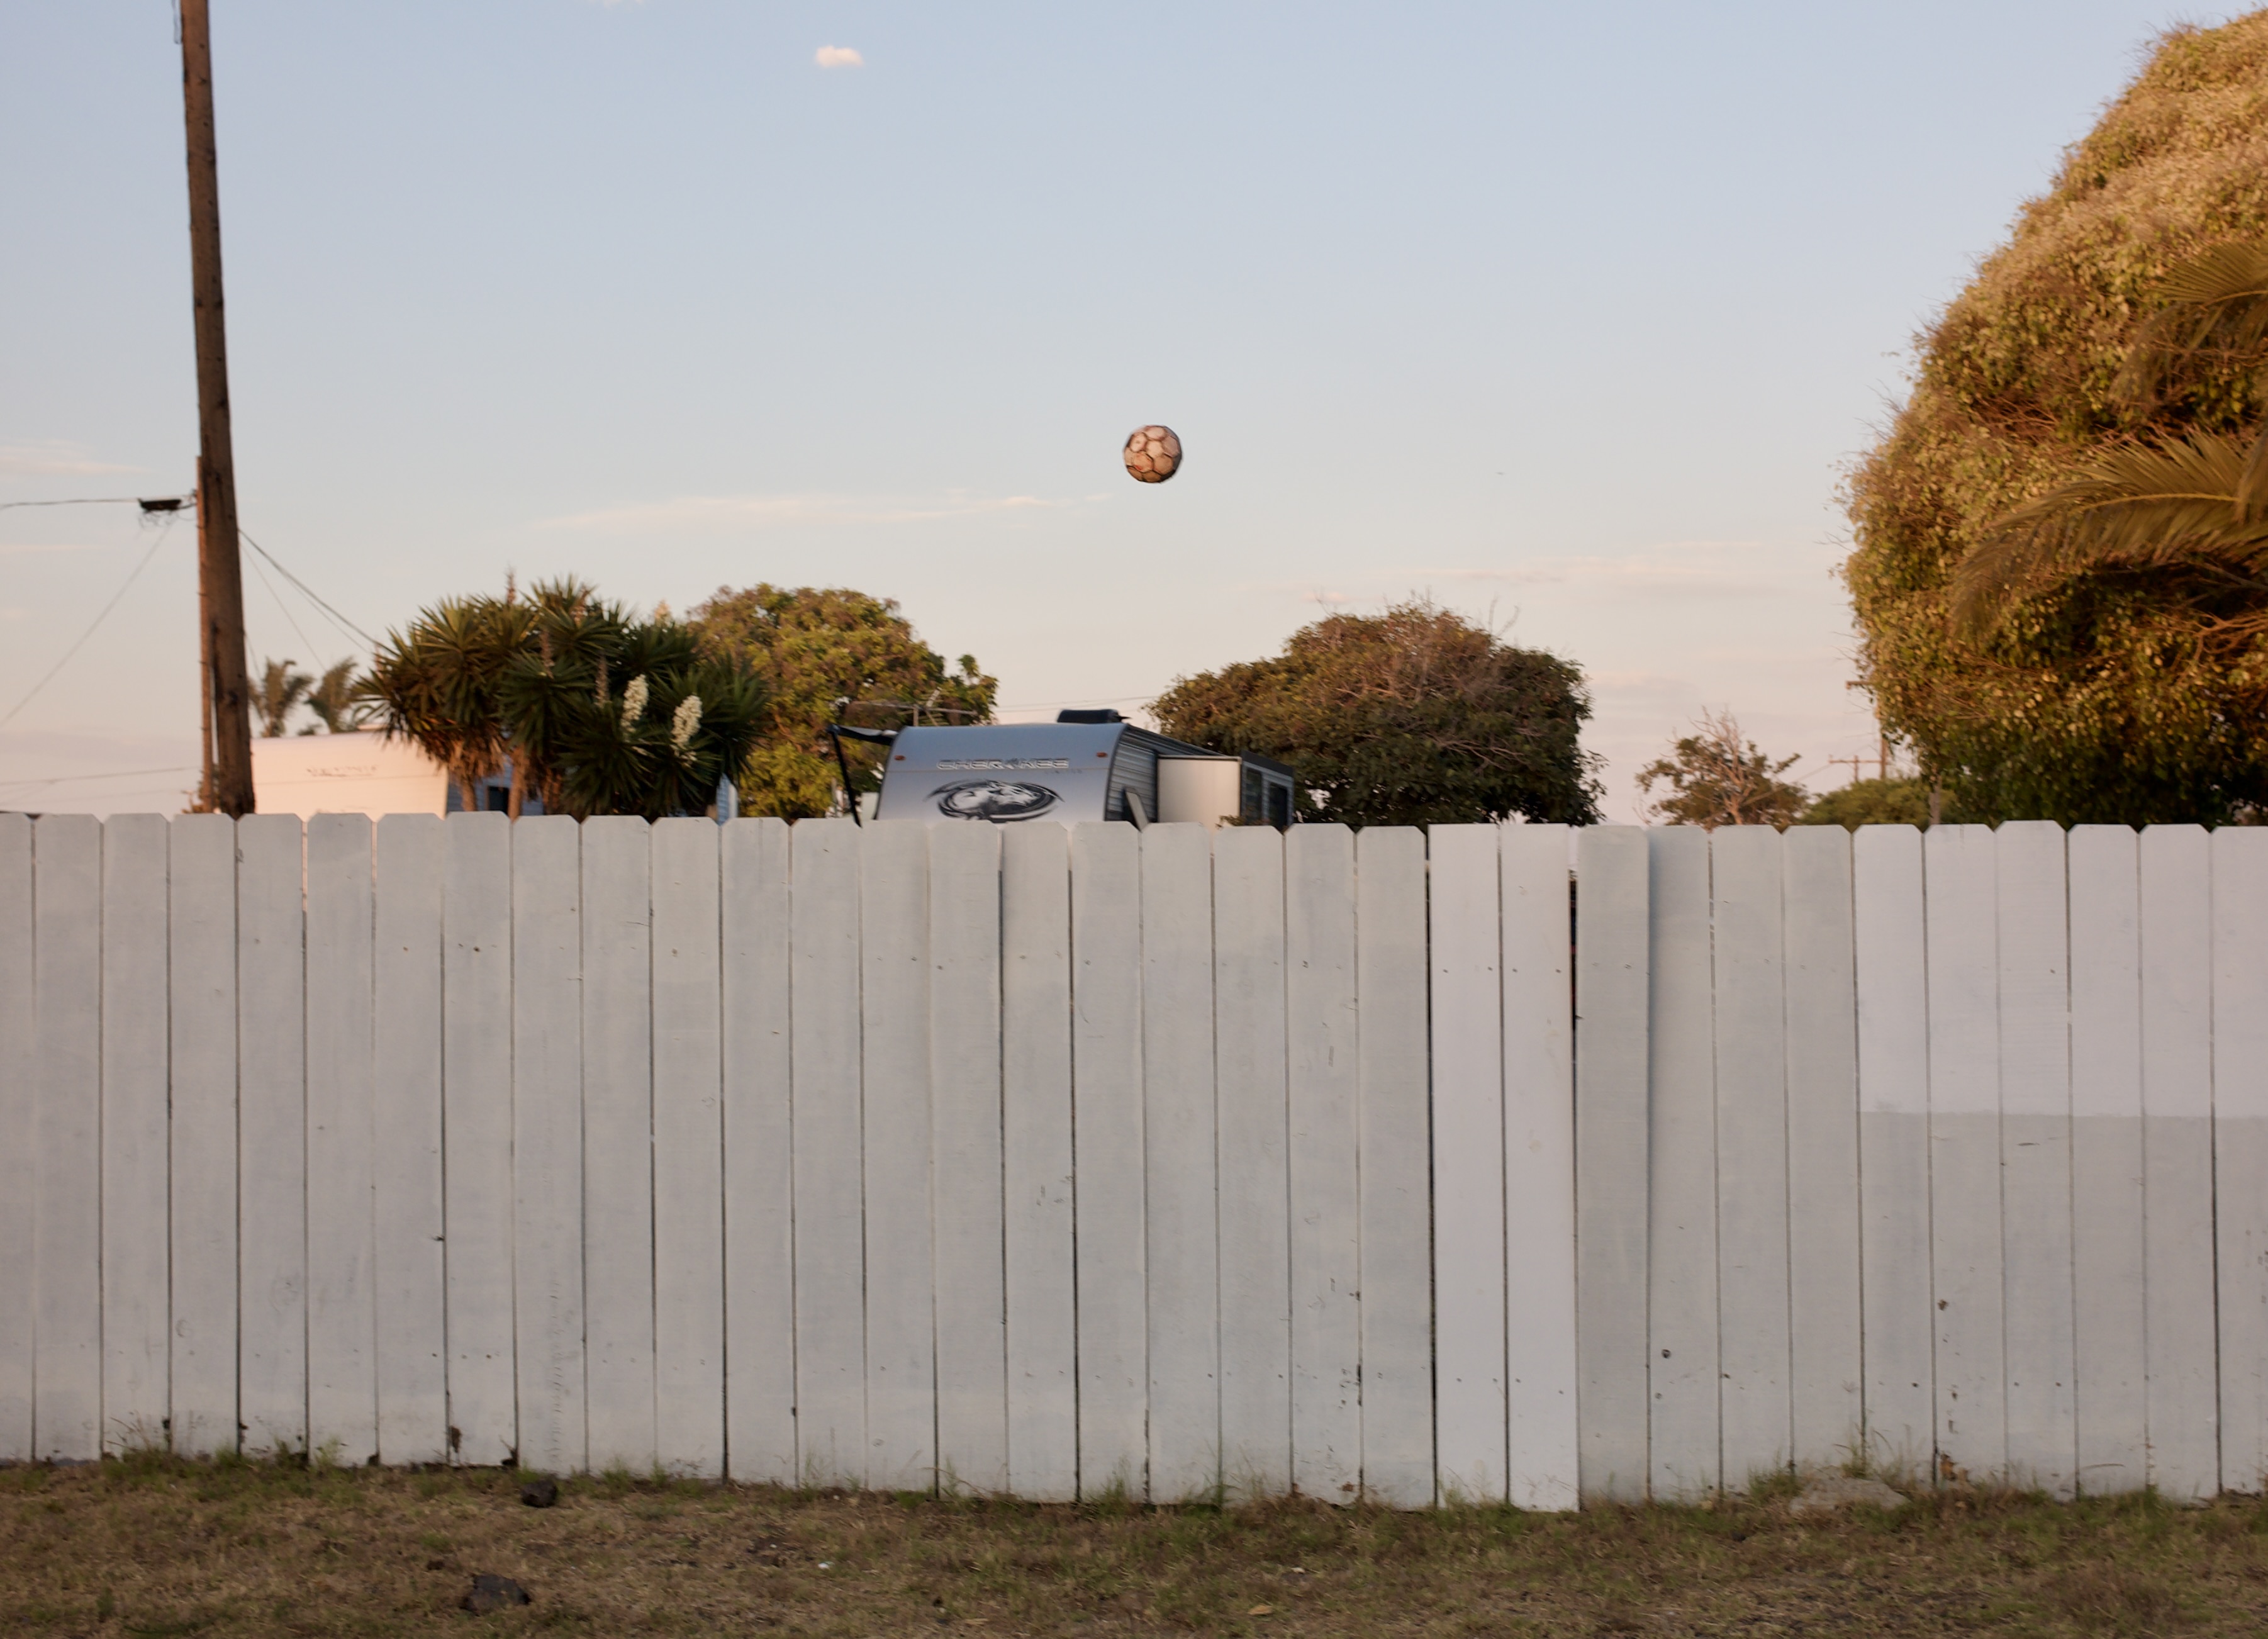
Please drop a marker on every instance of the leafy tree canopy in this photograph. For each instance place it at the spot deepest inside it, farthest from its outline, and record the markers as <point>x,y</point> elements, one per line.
<point>2092,674</point>
<point>1901,800</point>
<point>1718,778</point>
<point>828,655</point>
<point>601,713</point>
<point>1413,717</point>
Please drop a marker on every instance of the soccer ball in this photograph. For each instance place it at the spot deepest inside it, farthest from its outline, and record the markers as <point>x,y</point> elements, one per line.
<point>1153,454</point>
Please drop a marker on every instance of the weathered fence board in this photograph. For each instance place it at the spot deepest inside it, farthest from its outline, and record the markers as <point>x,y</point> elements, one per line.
<point>2035,1229</point>
<point>476,958</point>
<point>1106,1125</point>
<point>408,1286</point>
<point>1539,1166</point>
<point>1754,1350</point>
<point>1166,1163</point>
<point>1467,1032</point>
<point>1827,1357</point>
<point>1323,1104</point>
<point>964,1067</point>
<point>759,1233</point>
<point>1037,1260</point>
<point>1685,1441</point>
<point>341,1122</point>
<point>831,1292</point>
<point>688,1147</point>
<point>1255,1194</point>
<point>1398,1343</point>
<point>136,1297</point>
<point>2177,1283</point>
<point>2106,1100</point>
<point>617,1050</point>
<point>1613,986</point>
<point>200,1005</point>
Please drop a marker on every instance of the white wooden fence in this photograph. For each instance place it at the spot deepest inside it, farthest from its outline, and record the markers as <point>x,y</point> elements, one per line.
<point>1048,1161</point>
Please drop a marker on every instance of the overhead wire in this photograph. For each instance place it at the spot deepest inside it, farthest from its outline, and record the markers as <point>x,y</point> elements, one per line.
<point>337,619</point>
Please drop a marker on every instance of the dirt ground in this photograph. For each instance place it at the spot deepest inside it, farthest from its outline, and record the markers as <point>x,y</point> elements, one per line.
<point>158,1546</point>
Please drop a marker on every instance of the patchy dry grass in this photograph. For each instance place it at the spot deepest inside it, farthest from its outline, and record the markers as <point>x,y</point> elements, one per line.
<point>155,1546</point>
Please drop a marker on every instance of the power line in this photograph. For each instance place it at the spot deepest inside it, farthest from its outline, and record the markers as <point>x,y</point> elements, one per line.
<point>115,773</point>
<point>150,504</point>
<point>341,621</point>
<point>97,620</point>
<point>289,618</point>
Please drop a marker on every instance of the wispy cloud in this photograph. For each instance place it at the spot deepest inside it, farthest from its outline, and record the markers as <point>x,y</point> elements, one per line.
<point>838,57</point>
<point>11,548</point>
<point>1681,569</point>
<point>51,457</point>
<point>718,514</point>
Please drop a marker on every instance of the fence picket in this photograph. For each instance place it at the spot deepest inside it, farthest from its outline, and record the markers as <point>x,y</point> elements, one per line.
<point>18,1159</point>
<point>407,1284</point>
<point>1964,1146</point>
<point>2177,1284</point>
<point>964,1022</point>
<point>2036,1176</point>
<point>1539,1167</point>
<point>900,1305</point>
<point>1036,1099</point>
<point>1181,1135</point>
<point>136,1297</point>
<point>1323,1101</point>
<point>2240,1109</point>
<point>1891,976</point>
<point>2109,1406</point>
<point>546,1137</point>
<point>830,1295</point>
<point>1747,865</point>
<point>1466,955</point>
<point>1613,984</point>
<point>1256,1193</point>
<point>1685,1440</point>
<point>1114,1371</point>
<point>618,1050</point>
<point>1826,1409</point>
<point>201,962</point>
<point>272,1131</point>
<point>759,1176</point>
<point>342,1311</point>
<point>66,1138</point>
<point>688,1147</point>
<point>477,985</point>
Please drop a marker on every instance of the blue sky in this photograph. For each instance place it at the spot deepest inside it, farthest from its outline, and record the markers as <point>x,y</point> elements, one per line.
<point>1566,316</point>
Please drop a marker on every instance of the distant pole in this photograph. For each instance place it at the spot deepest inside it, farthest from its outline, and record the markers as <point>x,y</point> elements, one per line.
<point>220,572</point>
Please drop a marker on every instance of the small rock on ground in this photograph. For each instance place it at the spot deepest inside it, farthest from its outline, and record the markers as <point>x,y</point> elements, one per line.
<point>494,1593</point>
<point>1824,1492</point>
<point>540,1493</point>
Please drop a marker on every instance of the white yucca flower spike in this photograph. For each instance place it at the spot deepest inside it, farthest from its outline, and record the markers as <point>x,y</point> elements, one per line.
<point>634,701</point>
<point>686,719</point>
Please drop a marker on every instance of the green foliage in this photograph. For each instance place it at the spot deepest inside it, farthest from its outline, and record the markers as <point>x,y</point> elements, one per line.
<point>814,648</point>
<point>336,700</point>
<point>600,713</point>
<point>1903,800</point>
<point>1718,778</point>
<point>2129,684</point>
<point>275,692</point>
<point>1413,717</point>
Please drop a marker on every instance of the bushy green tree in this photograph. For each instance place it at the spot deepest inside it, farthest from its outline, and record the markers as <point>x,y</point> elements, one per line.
<point>1412,717</point>
<point>829,655</point>
<point>1716,777</point>
<point>2123,680</point>
<point>1901,800</point>
<point>599,713</point>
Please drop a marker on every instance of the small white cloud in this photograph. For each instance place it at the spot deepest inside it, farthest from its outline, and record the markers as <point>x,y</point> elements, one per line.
<point>51,456</point>
<point>838,57</point>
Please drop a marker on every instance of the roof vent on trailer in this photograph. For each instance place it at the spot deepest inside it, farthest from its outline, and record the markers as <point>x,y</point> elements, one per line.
<point>1089,714</point>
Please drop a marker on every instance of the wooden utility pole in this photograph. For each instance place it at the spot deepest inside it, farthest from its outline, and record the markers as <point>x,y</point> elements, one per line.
<point>227,785</point>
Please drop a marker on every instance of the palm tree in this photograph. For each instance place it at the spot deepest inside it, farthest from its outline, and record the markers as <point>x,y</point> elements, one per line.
<point>2197,505</point>
<point>435,685</point>
<point>336,700</point>
<point>278,690</point>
